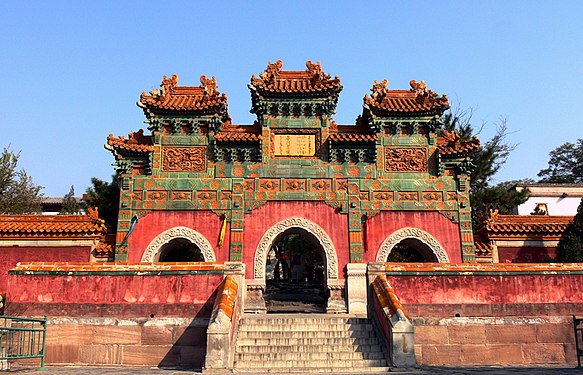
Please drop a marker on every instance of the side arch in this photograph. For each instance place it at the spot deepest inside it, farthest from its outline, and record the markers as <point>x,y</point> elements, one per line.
<point>152,252</point>
<point>415,233</point>
<point>314,229</point>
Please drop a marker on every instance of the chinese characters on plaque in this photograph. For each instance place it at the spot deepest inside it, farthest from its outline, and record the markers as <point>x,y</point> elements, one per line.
<point>294,144</point>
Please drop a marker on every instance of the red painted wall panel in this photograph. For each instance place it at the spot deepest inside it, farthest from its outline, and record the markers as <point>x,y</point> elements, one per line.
<point>10,256</point>
<point>526,254</point>
<point>266,216</point>
<point>382,225</point>
<point>434,295</point>
<point>112,295</point>
<point>207,223</point>
<point>261,219</point>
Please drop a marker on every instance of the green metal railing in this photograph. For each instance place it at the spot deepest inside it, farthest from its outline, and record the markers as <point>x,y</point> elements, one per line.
<point>22,338</point>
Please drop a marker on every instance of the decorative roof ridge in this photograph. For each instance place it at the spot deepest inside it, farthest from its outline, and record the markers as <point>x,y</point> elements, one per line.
<point>359,127</point>
<point>42,226</point>
<point>171,97</point>
<point>275,79</point>
<point>48,218</point>
<point>418,99</point>
<point>494,217</point>
<point>451,144</point>
<point>241,128</point>
<point>136,142</point>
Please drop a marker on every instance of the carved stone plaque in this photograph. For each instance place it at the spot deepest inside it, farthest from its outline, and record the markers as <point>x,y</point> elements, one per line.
<point>294,144</point>
<point>406,160</point>
<point>184,159</point>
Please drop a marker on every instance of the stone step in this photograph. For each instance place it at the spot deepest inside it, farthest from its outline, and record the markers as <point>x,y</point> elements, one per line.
<point>306,327</point>
<point>306,356</point>
<point>288,320</point>
<point>304,318</point>
<point>270,347</point>
<point>311,364</point>
<point>305,334</point>
<point>310,342</point>
<point>319,370</point>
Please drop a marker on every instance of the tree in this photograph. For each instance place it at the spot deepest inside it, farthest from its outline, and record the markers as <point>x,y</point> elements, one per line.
<point>105,196</point>
<point>70,203</point>
<point>565,164</point>
<point>487,160</point>
<point>18,194</point>
<point>570,247</point>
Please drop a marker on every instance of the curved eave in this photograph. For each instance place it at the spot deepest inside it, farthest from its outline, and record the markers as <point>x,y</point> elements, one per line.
<point>323,93</point>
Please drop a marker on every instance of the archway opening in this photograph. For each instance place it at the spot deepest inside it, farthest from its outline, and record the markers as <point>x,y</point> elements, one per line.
<point>180,250</point>
<point>295,273</point>
<point>411,250</point>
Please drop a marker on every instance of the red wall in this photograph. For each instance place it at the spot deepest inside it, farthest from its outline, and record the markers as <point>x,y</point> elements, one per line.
<point>266,216</point>
<point>121,295</point>
<point>382,225</point>
<point>429,294</point>
<point>9,256</point>
<point>261,219</point>
<point>207,223</point>
<point>526,254</point>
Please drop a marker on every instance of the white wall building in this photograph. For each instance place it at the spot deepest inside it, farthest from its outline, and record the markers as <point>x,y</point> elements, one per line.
<point>551,199</point>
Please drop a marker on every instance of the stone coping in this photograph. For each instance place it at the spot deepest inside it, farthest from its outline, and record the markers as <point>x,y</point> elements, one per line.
<point>481,269</point>
<point>116,268</point>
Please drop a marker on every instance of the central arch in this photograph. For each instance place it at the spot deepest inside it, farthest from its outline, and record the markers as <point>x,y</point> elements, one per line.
<point>309,226</point>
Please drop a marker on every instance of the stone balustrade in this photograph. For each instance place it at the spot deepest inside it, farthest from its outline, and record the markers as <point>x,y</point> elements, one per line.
<point>393,321</point>
<point>223,323</point>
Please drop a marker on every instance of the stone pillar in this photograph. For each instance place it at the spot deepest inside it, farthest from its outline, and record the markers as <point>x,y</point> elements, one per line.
<point>254,299</point>
<point>218,346</point>
<point>375,269</point>
<point>402,341</point>
<point>336,302</point>
<point>357,288</point>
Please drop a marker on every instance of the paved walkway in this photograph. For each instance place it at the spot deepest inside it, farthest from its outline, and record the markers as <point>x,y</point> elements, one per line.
<point>83,370</point>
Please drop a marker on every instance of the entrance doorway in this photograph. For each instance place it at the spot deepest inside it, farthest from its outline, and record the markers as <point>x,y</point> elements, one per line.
<point>411,250</point>
<point>180,250</point>
<point>295,274</point>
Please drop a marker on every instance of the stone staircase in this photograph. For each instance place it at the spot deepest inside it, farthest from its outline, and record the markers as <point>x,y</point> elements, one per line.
<point>309,343</point>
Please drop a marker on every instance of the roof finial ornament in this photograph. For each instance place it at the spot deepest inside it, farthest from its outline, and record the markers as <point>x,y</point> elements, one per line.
<point>451,137</point>
<point>493,216</point>
<point>379,89</point>
<point>209,85</point>
<point>424,95</point>
<point>168,84</point>
<point>272,71</point>
<point>93,213</point>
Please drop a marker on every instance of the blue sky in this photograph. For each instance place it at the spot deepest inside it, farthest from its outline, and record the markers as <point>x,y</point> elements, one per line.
<point>71,72</point>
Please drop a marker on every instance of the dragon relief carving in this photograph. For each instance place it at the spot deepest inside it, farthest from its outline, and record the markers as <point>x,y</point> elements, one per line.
<point>406,159</point>
<point>184,159</point>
